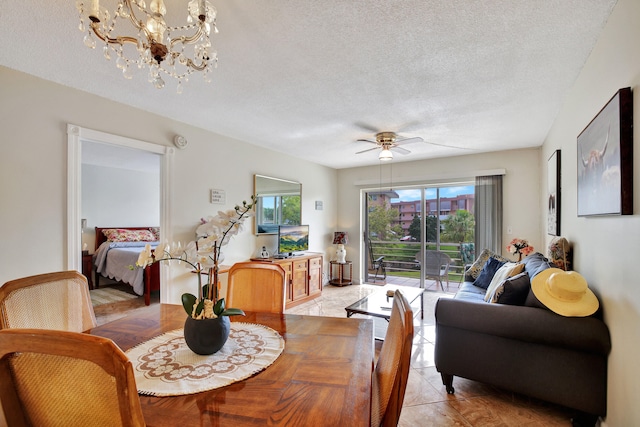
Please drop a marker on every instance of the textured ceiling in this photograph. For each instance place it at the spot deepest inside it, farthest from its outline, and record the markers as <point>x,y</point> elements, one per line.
<point>309,78</point>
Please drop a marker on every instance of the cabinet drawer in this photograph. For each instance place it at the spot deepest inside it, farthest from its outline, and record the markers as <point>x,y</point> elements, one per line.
<point>300,265</point>
<point>315,262</point>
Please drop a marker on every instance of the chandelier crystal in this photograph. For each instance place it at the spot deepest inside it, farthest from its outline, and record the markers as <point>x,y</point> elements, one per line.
<point>151,42</point>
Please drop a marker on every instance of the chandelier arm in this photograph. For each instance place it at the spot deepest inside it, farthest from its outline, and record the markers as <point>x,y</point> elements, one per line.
<point>134,20</point>
<point>118,40</point>
<point>187,40</point>
<point>195,66</point>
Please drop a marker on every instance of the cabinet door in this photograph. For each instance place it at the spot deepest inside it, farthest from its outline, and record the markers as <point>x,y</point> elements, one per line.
<point>315,275</point>
<point>299,282</point>
<point>288,268</point>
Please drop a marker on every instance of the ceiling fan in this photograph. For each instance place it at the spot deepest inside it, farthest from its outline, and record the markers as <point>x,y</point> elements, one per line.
<point>388,141</point>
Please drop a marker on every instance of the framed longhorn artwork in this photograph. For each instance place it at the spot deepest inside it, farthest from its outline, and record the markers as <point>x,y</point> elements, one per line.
<point>605,159</point>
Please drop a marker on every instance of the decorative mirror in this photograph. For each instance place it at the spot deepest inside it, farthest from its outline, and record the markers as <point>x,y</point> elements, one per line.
<point>278,202</point>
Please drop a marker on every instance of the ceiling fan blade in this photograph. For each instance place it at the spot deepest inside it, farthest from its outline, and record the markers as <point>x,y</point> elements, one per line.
<point>369,149</point>
<point>409,140</point>
<point>400,150</point>
<point>449,146</point>
<point>366,126</point>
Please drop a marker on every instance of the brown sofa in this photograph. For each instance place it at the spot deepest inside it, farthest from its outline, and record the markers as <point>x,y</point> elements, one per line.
<point>525,348</point>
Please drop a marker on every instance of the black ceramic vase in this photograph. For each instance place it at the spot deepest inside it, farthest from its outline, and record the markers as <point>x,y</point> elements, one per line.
<point>206,336</point>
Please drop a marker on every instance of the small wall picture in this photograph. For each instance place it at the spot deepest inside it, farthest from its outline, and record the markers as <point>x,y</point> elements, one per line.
<point>605,160</point>
<point>553,194</point>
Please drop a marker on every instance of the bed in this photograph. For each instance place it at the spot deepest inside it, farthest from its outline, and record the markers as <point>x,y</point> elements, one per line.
<point>114,255</point>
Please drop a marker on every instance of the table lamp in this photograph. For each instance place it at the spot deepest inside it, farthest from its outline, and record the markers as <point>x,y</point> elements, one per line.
<point>341,238</point>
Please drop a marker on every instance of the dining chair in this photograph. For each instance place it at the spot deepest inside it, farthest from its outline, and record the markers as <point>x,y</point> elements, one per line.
<point>66,378</point>
<point>391,371</point>
<point>57,300</point>
<point>256,286</point>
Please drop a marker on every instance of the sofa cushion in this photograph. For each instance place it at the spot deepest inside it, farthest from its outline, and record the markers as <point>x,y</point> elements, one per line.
<point>468,292</point>
<point>473,272</point>
<point>535,263</point>
<point>488,271</point>
<point>513,290</point>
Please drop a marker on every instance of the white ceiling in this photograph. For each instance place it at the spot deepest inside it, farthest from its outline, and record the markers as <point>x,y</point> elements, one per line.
<point>310,77</point>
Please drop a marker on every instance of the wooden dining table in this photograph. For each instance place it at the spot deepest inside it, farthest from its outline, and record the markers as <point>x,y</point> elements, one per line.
<point>322,378</point>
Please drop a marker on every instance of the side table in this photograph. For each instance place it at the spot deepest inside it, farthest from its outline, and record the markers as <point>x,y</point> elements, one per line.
<point>341,278</point>
<point>87,267</point>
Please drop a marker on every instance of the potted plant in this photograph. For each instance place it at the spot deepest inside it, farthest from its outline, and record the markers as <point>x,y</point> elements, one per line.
<point>207,326</point>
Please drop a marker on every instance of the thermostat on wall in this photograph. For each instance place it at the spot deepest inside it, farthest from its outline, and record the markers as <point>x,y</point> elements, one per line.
<point>217,197</point>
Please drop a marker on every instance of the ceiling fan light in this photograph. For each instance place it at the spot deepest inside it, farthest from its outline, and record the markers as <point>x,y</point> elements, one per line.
<point>385,155</point>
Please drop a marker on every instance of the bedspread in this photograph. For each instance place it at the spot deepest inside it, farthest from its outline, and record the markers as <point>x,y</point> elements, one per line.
<point>113,260</point>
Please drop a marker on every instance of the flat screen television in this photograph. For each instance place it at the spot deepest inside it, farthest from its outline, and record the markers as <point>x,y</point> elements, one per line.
<point>292,239</point>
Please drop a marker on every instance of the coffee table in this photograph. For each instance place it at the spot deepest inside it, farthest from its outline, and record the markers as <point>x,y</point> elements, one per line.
<point>378,304</point>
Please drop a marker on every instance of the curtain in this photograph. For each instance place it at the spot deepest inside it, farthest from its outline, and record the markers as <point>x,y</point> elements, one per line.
<point>488,213</point>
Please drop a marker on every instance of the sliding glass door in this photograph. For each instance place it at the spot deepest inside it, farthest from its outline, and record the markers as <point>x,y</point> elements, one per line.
<point>406,227</point>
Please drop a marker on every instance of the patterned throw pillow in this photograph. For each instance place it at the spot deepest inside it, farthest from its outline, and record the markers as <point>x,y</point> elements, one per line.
<point>123,235</point>
<point>474,271</point>
<point>559,253</point>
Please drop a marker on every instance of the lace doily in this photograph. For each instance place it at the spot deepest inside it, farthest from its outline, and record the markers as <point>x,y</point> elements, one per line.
<point>165,366</point>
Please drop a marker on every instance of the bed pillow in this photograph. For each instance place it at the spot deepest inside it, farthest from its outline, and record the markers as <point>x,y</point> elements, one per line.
<point>487,273</point>
<point>124,235</point>
<point>512,291</point>
<point>474,271</point>
<point>156,232</point>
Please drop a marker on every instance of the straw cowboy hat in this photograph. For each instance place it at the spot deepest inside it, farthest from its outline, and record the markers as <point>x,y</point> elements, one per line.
<point>564,292</point>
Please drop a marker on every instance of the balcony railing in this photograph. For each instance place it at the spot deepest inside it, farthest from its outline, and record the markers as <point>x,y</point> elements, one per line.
<point>402,258</point>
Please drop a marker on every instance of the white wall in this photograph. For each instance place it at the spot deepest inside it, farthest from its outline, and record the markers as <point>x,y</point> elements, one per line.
<point>521,192</point>
<point>606,248</point>
<point>33,174</point>
<point>115,197</point>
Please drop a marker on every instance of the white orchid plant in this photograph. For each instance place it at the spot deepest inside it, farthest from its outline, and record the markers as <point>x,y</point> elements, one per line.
<point>204,255</point>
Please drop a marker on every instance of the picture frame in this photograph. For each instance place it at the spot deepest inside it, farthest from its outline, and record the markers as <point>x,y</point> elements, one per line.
<point>553,194</point>
<point>605,159</point>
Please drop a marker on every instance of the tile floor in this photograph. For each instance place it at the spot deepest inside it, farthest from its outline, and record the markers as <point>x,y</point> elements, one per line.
<point>426,401</point>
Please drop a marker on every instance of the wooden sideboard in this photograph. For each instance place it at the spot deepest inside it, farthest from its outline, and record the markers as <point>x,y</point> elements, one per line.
<point>304,276</point>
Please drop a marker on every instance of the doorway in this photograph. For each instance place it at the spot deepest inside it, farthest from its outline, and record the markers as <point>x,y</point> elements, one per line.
<point>76,137</point>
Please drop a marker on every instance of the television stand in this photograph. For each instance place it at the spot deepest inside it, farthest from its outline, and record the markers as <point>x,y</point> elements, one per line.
<point>303,275</point>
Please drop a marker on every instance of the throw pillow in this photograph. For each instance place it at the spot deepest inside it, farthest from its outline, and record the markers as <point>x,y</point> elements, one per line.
<point>474,271</point>
<point>502,273</point>
<point>533,301</point>
<point>559,252</point>
<point>487,273</point>
<point>535,263</point>
<point>519,268</point>
<point>513,290</point>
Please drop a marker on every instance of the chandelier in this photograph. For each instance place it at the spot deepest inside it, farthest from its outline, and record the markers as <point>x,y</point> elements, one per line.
<point>150,42</point>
